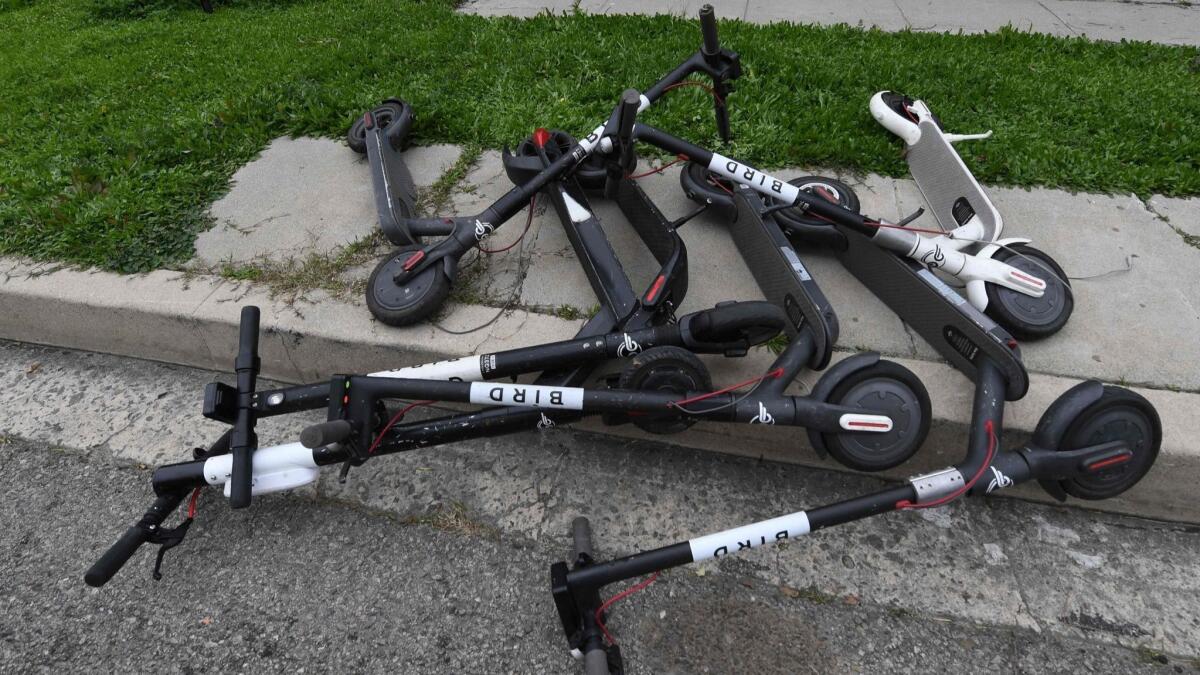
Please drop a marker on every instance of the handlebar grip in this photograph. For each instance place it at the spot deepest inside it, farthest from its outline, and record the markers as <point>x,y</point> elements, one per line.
<point>595,662</point>
<point>116,556</point>
<point>708,27</point>
<point>326,433</point>
<point>248,336</point>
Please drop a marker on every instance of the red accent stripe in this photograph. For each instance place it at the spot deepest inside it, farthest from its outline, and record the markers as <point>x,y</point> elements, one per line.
<point>1026,277</point>
<point>412,261</point>
<point>655,288</point>
<point>1119,459</point>
<point>872,425</point>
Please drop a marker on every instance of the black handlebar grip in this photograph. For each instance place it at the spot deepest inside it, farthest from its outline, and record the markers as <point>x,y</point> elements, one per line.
<point>248,336</point>
<point>708,26</point>
<point>326,433</point>
<point>116,556</point>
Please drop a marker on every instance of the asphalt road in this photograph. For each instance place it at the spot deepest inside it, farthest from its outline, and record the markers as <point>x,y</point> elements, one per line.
<point>308,585</point>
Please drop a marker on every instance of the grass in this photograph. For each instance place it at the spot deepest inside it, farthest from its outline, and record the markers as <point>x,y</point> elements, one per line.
<point>123,119</point>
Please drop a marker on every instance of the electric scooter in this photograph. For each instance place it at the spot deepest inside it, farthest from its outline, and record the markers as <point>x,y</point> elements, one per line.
<point>879,410</point>
<point>411,283</point>
<point>1021,287</point>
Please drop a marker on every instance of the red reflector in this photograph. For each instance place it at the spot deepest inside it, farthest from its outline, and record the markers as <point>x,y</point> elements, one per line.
<point>869,425</point>
<point>369,120</point>
<point>1012,344</point>
<point>655,288</point>
<point>1119,459</point>
<point>413,260</point>
<point>541,137</point>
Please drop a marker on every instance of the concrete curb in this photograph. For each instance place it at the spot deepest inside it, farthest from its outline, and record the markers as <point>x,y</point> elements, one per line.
<point>191,320</point>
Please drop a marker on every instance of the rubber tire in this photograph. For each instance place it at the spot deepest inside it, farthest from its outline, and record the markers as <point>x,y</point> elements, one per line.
<point>676,370</point>
<point>436,287</point>
<point>387,111</point>
<point>846,198</point>
<point>590,174</point>
<point>848,449</point>
<point>1002,301</point>
<point>1117,414</point>
<point>694,180</point>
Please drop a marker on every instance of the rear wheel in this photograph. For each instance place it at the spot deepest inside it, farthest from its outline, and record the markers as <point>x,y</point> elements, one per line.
<point>1118,415</point>
<point>1027,317</point>
<point>884,388</point>
<point>393,115</point>
<point>414,300</point>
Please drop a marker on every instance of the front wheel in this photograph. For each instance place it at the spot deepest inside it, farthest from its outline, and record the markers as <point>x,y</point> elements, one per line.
<point>1118,415</point>
<point>1027,317</point>
<point>885,388</point>
<point>414,300</point>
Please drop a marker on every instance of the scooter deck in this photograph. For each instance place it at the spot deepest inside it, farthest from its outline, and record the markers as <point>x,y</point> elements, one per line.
<point>392,183</point>
<point>782,277</point>
<point>960,333</point>
<point>948,186</point>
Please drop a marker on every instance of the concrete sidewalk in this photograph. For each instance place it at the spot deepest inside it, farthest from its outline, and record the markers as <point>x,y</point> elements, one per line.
<point>1165,21</point>
<point>436,559</point>
<point>273,217</point>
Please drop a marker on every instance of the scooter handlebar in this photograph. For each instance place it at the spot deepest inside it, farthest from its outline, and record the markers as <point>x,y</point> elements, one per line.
<point>119,553</point>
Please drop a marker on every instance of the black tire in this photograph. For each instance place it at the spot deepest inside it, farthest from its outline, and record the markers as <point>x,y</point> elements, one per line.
<point>1029,318</point>
<point>671,369</point>
<point>405,305</point>
<point>890,389</point>
<point>385,114</point>
<point>1119,414</point>
<point>831,189</point>
<point>697,183</point>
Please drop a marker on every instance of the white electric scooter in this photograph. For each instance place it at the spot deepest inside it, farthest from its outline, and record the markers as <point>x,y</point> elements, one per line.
<point>1027,292</point>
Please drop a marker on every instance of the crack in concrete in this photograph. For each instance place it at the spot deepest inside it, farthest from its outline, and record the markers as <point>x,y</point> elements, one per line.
<point>1057,17</point>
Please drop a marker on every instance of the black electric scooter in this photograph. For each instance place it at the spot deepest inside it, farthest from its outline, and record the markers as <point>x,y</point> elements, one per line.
<point>413,282</point>
<point>1094,442</point>
<point>664,389</point>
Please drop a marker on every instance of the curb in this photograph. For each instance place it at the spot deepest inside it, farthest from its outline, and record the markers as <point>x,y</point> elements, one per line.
<point>192,321</point>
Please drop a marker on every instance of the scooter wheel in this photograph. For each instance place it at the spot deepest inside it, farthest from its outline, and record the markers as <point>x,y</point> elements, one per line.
<point>704,187</point>
<point>830,189</point>
<point>1029,318</point>
<point>394,115</point>
<point>404,305</point>
<point>885,388</point>
<point>670,369</point>
<point>1118,415</point>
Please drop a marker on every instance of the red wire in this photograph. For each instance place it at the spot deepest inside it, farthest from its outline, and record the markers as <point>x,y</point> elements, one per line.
<point>192,503</point>
<point>778,372</point>
<point>719,184</point>
<point>991,430</point>
<point>694,83</point>
<point>678,159</point>
<point>395,418</point>
<point>528,222</point>
<point>620,596</point>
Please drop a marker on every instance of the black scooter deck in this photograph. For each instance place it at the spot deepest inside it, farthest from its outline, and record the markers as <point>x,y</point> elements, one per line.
<point>960,333</point>
<point>782,277</point>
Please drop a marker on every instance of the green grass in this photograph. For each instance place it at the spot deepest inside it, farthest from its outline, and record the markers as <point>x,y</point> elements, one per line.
<point>121,120</point>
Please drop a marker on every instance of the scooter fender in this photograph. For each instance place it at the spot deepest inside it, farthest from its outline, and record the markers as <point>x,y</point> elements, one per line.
<point>909,132</point>
<point>824,387</point>
<point>1054,422</point>
<point>977,289</point>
